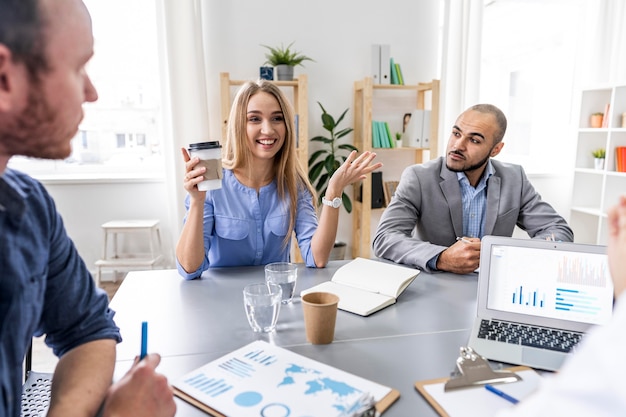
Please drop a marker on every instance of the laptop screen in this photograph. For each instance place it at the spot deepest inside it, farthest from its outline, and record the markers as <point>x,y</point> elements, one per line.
<point>570,284</point>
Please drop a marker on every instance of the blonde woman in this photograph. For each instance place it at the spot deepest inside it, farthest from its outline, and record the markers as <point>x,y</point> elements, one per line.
<point>265,194</point>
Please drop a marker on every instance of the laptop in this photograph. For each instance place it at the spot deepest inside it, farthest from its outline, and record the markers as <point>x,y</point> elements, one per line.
<point>537,298</point>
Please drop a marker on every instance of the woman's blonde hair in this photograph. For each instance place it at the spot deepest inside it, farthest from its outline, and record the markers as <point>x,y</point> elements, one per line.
<point>290,175</point>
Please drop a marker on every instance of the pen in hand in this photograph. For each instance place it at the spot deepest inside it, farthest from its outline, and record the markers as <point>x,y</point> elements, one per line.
<point>144,340</point>
<point>462,239</point>
<point>499,393</point>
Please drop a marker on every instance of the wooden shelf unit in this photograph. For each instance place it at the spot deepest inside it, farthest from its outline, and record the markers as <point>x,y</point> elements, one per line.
<point>597,190</point>
<point>363,109</point>
<point>300,106</point>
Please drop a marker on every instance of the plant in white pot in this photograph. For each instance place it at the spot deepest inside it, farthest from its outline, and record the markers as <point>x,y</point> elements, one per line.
<point>324,162</point>
<point>284,59</point>
<point>598,158</point>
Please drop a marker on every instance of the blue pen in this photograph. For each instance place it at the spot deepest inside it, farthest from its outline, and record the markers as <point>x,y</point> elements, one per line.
<point>144,340</point>
<point>501,394</point>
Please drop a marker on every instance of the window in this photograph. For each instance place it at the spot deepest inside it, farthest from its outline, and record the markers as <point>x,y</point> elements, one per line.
<point>527,69</point>
<point>121,133</point>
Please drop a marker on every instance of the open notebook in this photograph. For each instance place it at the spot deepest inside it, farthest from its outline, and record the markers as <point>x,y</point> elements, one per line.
<point>537,298</point>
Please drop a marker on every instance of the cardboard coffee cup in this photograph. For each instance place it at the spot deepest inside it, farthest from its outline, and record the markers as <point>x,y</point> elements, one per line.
<point>210,154</point>
<point>320,314</point>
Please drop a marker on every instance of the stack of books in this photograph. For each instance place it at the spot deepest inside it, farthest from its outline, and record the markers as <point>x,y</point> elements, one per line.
<point>381,135</point>
<point>396,73</point>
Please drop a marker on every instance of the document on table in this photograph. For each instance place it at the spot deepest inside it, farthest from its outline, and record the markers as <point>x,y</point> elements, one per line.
<point>261,379</point>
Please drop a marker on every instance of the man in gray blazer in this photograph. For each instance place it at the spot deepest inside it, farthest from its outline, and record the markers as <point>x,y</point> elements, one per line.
<point>442,208</point>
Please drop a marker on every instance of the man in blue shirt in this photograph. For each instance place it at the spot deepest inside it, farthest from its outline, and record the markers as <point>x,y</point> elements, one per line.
<point>45,287</point>
<point>442,208</point>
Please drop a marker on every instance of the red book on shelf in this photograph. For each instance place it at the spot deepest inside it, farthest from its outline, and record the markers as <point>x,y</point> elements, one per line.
<point>620,159</point>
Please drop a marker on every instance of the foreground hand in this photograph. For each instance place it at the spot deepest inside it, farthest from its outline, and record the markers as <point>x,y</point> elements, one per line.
<point>616,249</point>
<point>352,170</point>
<point>141,392</point>
<point>462,257</point>
<point>193,175</point>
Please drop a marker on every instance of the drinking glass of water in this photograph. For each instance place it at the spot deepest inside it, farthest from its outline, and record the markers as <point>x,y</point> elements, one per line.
<point>262,302</point>
<point>283,274</point>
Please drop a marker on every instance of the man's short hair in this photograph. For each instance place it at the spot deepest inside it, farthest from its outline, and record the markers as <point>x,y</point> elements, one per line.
<point>22,26</point>
<point>499,116</point>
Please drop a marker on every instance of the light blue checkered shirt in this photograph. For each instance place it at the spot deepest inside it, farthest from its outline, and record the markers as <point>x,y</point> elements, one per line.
<point>474,202</point>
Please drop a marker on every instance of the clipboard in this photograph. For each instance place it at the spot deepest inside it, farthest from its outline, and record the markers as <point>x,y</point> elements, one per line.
<point>478,392</point>
<point>263,378</point>
<point>381,406</point>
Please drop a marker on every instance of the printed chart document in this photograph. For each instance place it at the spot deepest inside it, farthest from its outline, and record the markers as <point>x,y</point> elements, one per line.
<point>365,286</point>
<point>261,379</point>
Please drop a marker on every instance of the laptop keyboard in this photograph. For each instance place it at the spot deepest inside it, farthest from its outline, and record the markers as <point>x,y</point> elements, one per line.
<point>534,336</point>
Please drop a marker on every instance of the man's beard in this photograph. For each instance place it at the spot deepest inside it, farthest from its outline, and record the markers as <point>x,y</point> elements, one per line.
<point>471,167</point>
<point>32,132</point>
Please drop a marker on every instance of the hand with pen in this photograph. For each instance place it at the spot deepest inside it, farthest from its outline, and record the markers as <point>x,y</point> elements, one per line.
<point>142,391</point>
<point>463,257</point>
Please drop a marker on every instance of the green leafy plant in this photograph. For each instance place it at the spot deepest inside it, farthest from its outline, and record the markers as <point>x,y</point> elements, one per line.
<point>599,153</point>
<point>284,56</point>
<point>324,162</point>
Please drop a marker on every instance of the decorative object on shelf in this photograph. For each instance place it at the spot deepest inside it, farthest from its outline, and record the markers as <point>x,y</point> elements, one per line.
<point>624,120</point>
<point>330,158</point>
<point>398,139</point>
<point>390,190</point>
<point>598,158</point>
<point>596,120</point>
<point>266,73</point>
<point>284,59</point>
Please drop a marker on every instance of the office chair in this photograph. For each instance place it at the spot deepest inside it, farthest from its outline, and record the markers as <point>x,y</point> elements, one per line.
<point>36,389</point>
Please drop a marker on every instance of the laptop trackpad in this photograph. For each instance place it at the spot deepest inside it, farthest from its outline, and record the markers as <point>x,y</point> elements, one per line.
<point>543,359</point>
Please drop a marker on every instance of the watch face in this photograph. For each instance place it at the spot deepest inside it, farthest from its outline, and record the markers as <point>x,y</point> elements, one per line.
<point>266,73</point>
<point>336,202</point>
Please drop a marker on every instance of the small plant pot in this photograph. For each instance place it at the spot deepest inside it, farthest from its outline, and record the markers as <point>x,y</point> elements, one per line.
<point>596,120</point>
<point>598,163</point>
<point>284,72</point>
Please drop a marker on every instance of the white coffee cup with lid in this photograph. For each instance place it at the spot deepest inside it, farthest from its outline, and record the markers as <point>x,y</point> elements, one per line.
<point>210,154</point>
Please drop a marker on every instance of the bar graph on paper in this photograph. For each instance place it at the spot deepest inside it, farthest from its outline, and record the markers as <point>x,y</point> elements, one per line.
<point>212,387</point>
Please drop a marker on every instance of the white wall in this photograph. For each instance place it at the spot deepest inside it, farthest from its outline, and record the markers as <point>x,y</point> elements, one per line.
<point>85,206</point>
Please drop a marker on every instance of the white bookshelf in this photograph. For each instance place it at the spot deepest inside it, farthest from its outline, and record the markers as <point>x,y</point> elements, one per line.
<point>596,190</point>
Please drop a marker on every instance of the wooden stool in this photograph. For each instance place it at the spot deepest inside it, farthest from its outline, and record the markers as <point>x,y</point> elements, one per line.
<point>129,260</point>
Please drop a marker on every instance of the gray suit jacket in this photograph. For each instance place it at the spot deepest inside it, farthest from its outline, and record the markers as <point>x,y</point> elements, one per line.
<point>425,215</point>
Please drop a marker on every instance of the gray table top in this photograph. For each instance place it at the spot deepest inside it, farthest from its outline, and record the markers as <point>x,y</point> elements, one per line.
<point>194,322</point>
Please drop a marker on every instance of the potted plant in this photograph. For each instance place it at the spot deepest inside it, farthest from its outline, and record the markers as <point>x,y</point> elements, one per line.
<point>596,119</point>
<point>284,59</point>
<point>324,162</point>
<point>599,155</point>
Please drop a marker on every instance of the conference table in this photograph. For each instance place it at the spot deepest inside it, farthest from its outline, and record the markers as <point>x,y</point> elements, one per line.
<point>194,322</point>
